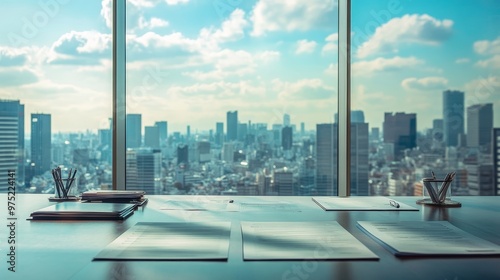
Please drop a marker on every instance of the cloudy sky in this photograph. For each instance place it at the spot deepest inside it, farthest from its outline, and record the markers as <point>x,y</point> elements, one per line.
<point>191,61</point>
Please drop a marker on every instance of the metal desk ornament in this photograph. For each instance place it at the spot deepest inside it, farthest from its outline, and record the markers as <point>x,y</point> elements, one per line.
<point>438,191</point>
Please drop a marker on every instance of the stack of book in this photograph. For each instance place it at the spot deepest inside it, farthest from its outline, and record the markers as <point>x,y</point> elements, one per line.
<point>135,197</point>
<point>84,211</point>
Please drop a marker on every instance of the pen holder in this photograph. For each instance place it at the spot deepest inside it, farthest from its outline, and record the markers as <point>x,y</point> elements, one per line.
<point>438,193</point>
<point>64,189</point>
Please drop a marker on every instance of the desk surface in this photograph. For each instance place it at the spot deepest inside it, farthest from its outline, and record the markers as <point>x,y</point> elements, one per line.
<point>65,249</point>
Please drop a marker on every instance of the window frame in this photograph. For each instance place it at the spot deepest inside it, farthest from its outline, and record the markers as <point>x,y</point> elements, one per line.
<point>119,96</point>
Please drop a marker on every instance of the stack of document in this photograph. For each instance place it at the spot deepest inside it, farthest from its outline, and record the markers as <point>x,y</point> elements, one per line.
<point>136,197</point>
<point>84,211</point>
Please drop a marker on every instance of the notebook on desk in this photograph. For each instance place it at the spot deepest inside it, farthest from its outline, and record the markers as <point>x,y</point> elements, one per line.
<point>84,211</point>
<point>115,196</point>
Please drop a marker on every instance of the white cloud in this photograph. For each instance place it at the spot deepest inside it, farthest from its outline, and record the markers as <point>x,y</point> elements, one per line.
<point>305,46</point>
<point>76,42</point>
<point>230,63</point>
<point>427,83</point>
<point>175,2</point>
<point>331,44</point>
<point>12,57</point>
<point>482,90</point>
<point>462,60</point>
<point>384,64</point>
<point>409,29</point>
<point>332,70</point>
<point>106,7</point>
<point>231,29</point>
<point>142,3</point>
<point>291,15</point>
<point>152,23</point>
<point>493,62</point>
<point>486,47</point>
<point>305,89</point>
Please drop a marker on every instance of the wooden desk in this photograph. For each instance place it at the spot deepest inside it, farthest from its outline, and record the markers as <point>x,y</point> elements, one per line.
<point>64,249</point>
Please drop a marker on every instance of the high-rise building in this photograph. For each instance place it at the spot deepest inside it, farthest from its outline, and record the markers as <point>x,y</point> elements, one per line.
<point>228,152</point>
<point>219,133</point>
<point>144,170</point>
<point>242,132</point>
<point>134,131</point>
<point>41,143</point>
<point>204,151</point>
<point>163,130</point>
<point>232,125</point>
<point>326,158</point>
<point>152,137</point>
<point>479,125</point>
<point>283,182</point>
<point>496,160</point>
<point>105,144</point>
<point>286,138</point>
<point>453,116</point>
<point>11,141</point>
<point>286,120</point>
<point>359,159</point>
<point>183,154</point>
<point>400,129</point>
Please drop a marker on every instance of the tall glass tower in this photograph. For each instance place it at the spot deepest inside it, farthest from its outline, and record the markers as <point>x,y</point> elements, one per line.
<point>453,116</point>
<point>41,143</point>
<point>11,141</point>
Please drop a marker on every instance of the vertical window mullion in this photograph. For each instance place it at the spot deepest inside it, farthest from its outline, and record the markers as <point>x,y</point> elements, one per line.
<point>344,103</point>
<point>119,86</point>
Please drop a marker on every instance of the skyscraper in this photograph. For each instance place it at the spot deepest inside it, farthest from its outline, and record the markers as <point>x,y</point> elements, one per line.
<point>41,143</point>
<point>286,138</point>
<point>144,170</point>
<point>232,125</point>
<point>11,141</point>
<point>163,130</point>
<point>400,129</point>
<point>152,137</point>
<point>326,157</point>
<point>453,116</point>
<point>134,130</point>
<point>286,120</point>
<point>359,158</point>
<point>219,133</point>
<point>479,126</point>
<point>496,160</point>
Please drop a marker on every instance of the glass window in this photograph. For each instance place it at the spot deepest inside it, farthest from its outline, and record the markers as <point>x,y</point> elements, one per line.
<point>232,97</point>
<point>424,77</point>
<point>55,92</point>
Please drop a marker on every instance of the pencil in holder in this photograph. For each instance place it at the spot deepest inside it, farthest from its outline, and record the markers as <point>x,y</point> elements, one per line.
<point>63,187</point>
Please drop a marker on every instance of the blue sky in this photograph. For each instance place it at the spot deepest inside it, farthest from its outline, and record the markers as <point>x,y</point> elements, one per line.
<point>191,61</point>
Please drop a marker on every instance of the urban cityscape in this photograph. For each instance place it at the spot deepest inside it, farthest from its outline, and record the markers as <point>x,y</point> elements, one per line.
<point>240,157</point>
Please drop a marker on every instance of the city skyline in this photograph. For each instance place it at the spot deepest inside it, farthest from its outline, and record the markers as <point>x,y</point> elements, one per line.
<point>245,57</point>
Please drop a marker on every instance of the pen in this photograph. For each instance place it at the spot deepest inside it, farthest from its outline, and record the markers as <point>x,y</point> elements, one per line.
<point>393,203</point>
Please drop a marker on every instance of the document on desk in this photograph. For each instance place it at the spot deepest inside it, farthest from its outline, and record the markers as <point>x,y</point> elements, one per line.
<point>268,206</point>
<point>170,241</point>
<point>300,241</point>
<point>427,238</point>
<point>361,203</point>
<point>197,203</point>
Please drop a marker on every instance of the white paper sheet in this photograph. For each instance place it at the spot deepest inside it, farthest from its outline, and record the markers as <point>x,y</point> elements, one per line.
<point>198,204</point>
<point>365,203</point>
<point>412,238</point>
<point>301,240</point>
<point>170,241</point>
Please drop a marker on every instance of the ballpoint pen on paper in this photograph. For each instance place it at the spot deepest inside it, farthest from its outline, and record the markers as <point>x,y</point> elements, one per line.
<point>394,203</point>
